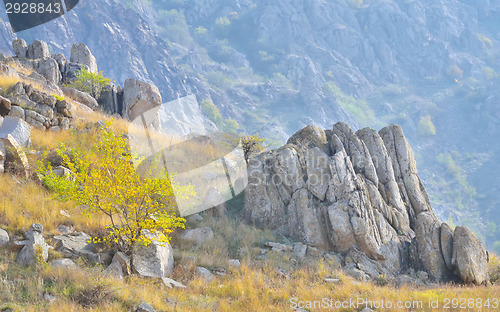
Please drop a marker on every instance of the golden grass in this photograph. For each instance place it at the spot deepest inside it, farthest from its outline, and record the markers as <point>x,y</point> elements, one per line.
<point>249,288</point>
<point>19,67</point>
<point>7,82</point>
<point>24,202</point>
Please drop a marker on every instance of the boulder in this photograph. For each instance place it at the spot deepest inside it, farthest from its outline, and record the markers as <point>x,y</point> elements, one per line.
<point>114,270</point>
<point>198,235</point>
<point>18,129</point>
<point>49,69</point>
<point>81,55</point>
<point>20,48</point>
<point>235,263</point>
<point>310,136</point>
<point>4,238</point>
<point>120,266</point>
<point>36,120</point>
<point>340,191</point>
<point>15,159</point>
<point>64,108</point>
<point>80,97</point>
<point>17,112</point>
<point>63,263</point>
<point>144,307</point>
<point>155,260</point>
<point>5,106</point>
<point>138,98</point>
<point>204,274</point>
<point>70,71</point>
<point>75,245</point>
<point>170,283</point>
<point>38,50</point>
<point>111,99</point>
<point>470,257</point>
<point>35,248</point>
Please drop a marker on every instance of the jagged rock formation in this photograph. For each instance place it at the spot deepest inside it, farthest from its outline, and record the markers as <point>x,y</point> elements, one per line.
<point>359,194</point>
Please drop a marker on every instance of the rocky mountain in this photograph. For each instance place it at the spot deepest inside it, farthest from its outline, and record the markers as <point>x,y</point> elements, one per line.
<point>359,194</point>
<point>275,67</point>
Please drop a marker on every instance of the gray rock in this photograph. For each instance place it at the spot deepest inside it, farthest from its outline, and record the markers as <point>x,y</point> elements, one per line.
<point>38,77</point>
<point>64,229</point>
<point>4,238</point>
<point>170,283</point>
<point>309,137</point>
<point>61,171</point>
<point>155,260</point>
<point>195,218</point>
<point>299,250</point>
<point>357,274</point>
<point>80,97</point>
<point>204,274</point>
<point>49,298</point>
<point>17,112</point>
<point>18,129</point>
<point>278,247</point>
<point>447,245</point>
<point>49,69</point>
<point>5,106</point>
<point>75,245</point>
<point>342,191</point>
<point>138,98</point>
<point>235,263</point>
<point>38,50</point>
<point>64,108</point>
<point>115,270</point>
<point>15,159</point>
<point>20,48</point>
<point>34,248</point>
<point>469,257</point>
<point>36,120</point>
<point>63,263</point>
<point>81,55</point>
<point>144,307</point>
<point>198,235</point>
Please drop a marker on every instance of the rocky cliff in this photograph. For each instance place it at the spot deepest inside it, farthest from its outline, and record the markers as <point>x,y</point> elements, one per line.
<point>359,194</point>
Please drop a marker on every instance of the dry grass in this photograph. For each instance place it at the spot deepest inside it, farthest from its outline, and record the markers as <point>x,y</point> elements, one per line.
<point>6,83</point>
<point>249,288</point>
<point>24,202</point>
<point>18,66</point>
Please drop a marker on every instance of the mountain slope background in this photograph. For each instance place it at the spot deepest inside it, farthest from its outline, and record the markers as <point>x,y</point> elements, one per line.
<point>274,67</point>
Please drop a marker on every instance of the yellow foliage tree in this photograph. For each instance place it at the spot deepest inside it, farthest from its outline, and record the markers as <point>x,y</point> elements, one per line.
<point>105,182</point>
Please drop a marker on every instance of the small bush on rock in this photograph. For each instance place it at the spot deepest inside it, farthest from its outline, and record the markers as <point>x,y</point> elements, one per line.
<point>91,83</point>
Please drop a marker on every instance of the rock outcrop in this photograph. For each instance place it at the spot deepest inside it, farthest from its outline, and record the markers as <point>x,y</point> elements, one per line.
<point>359,194</point>
<point>35,248</point>
<point>155,260</point>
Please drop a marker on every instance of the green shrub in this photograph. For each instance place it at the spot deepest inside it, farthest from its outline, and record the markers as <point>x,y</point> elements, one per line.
<point>91,83</point>
<point>59,98</point>
<point>231,125</point>
<point>212,112</point>
<point>219,80</point>
<point>426,127</point>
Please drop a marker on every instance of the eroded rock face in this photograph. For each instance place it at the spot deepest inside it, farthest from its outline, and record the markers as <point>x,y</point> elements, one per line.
<point>81,55</point>
<point>35,248</point>
<point>155,260</point>
<point>139,97</point>
<point>38,50</point>
<point>359,194</point>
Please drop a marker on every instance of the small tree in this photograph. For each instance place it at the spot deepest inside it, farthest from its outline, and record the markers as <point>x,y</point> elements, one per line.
<point>251,145</point>
<point>105,182</point>
<point>426,127</point>
<point>91,83</point>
